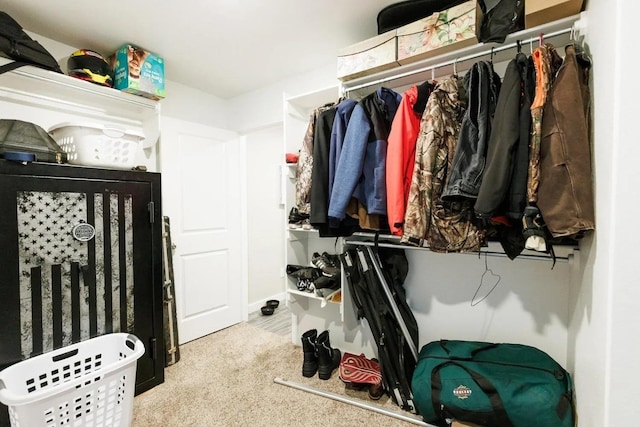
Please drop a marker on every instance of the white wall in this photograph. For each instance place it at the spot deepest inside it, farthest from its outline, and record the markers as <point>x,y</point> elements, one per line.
<point>263,107</point>
<point>591,322</point>
<point>529,304</point>
<point>621,140</point>
<point>265,218</point>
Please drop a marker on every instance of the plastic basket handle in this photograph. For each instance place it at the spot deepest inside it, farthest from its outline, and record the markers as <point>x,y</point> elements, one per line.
<point>66,355</point>
<point>113,132</point>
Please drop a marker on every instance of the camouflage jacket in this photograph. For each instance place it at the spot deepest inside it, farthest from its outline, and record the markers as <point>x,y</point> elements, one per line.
<point>446,227</point>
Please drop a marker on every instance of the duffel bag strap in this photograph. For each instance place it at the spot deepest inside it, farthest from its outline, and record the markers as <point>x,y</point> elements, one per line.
<point>502,419</point>
<point>12,66</point>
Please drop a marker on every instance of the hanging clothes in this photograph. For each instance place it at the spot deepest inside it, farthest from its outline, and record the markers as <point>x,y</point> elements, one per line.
<point>482,85</point>
<point>565,192</point>
<point>445,227</point>
<point>547,62</point>
<point>401,153</point>
<point>503,191</point>
<point>504,181</point>
<point>361,168</point>
<point>304,167</point>
<point>338,131</point>
<point>319,194</point>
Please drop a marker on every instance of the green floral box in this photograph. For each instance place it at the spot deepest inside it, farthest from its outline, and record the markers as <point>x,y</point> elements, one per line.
<point>444,31</point>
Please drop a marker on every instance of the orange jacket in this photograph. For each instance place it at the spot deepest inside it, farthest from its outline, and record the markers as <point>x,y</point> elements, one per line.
<point>401,151</point>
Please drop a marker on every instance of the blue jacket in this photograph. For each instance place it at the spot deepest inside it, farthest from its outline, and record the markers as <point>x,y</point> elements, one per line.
<point>338,132</point>
<point>360,171</point>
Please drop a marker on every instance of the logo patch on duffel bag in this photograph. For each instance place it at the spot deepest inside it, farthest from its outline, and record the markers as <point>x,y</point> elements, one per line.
<point>462,392</point>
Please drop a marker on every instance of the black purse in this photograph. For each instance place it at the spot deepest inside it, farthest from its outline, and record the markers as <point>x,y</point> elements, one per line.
<point>17,45</point>
<point>500,18</point>
<point>398,14</point>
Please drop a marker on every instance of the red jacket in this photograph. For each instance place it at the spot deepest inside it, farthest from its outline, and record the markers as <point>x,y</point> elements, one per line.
<point>401,151</point>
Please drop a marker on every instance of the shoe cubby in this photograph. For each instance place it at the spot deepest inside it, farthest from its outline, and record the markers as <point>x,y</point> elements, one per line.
<point>308,309</point>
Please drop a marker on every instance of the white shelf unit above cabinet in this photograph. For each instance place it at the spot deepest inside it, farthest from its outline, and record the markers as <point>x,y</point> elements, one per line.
<point>36,87</point>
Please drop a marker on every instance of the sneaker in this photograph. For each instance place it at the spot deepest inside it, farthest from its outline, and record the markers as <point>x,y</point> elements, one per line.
<point>296,218</point>
<point>325,264</point>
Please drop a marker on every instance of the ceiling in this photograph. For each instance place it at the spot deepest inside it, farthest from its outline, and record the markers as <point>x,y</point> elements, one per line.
<point>223,47</point>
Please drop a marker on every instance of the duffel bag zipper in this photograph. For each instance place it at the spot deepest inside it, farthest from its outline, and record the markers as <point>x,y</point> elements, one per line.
<point>559,375</point>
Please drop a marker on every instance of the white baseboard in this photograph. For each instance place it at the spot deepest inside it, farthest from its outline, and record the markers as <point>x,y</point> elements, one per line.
<point>255,306</point>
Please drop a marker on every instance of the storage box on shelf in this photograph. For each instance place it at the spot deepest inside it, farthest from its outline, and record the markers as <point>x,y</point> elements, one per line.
<point>367,57</point>
<point>538,12</point>
<point>442,32</point>
<point>138,71</point>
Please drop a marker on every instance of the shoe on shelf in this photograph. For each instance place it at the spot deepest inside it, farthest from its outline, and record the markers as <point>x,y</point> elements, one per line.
<point>325,264</point>
<point>296,219</point>
<point>291,157</point>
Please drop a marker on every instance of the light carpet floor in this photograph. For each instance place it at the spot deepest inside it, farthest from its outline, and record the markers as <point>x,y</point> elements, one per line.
<point>226,379</point>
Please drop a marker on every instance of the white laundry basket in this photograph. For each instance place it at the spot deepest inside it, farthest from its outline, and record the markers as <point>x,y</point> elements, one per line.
<point>90,383</point>
<point>92,144</point>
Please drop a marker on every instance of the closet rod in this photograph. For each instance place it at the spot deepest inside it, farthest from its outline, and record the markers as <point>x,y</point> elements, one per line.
<point>495,50</point>
<point>541,257</point>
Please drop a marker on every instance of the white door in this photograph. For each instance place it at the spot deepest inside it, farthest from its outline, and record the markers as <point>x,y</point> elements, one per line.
<point>202,184</point>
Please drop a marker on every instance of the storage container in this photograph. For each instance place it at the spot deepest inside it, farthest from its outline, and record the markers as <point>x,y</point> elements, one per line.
<point>90,383</point>
<point>368,57</point>
<point>138,71</point>
<point>94,144</point>
<point>538,12</point>
<point>442,32</point>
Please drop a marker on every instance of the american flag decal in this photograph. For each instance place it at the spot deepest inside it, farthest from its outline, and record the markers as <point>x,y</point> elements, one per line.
<point>71,290</point>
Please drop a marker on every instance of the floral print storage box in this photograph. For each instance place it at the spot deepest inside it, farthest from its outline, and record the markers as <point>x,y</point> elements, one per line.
<point>368,57</point>
<point>450,29</point>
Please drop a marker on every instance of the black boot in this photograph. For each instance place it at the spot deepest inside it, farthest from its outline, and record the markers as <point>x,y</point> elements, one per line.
<point>328,358</point>
<point>310,360</point>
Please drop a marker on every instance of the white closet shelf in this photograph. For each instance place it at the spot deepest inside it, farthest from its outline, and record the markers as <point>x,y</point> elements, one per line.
<point>563,252</point>
<point>36,86</point>
<point>405,74</point>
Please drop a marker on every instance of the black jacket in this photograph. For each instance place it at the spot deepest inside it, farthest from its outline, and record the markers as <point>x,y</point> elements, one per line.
<point>504,184</point>
<point>482,85</point>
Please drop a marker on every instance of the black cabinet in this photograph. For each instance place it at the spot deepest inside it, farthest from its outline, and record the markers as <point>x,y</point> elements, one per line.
<point>81,257</point>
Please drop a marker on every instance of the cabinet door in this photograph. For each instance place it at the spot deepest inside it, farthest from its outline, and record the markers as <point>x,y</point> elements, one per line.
<point>59,287</point>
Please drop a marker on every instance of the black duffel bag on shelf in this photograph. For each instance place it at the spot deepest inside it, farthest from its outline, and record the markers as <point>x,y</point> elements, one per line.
<point>405,12</point>
<point>17,45</point>
<point>498,385</point>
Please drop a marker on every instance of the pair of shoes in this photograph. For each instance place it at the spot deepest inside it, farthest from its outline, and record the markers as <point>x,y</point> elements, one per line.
<point>375,391</point>
<point>269,307</point>
<point>299,220</point>
<point>306,276</point>
<point>318,355</point>
<point>358,373</point>
<point>327,263</point>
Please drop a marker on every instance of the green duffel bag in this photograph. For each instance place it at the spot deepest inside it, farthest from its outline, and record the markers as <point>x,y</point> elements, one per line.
<point>496,385</point>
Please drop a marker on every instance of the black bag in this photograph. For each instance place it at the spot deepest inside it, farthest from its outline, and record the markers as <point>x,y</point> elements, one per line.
<point>405,12</point>
<point>499,18</point>
<point>16,44</point>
